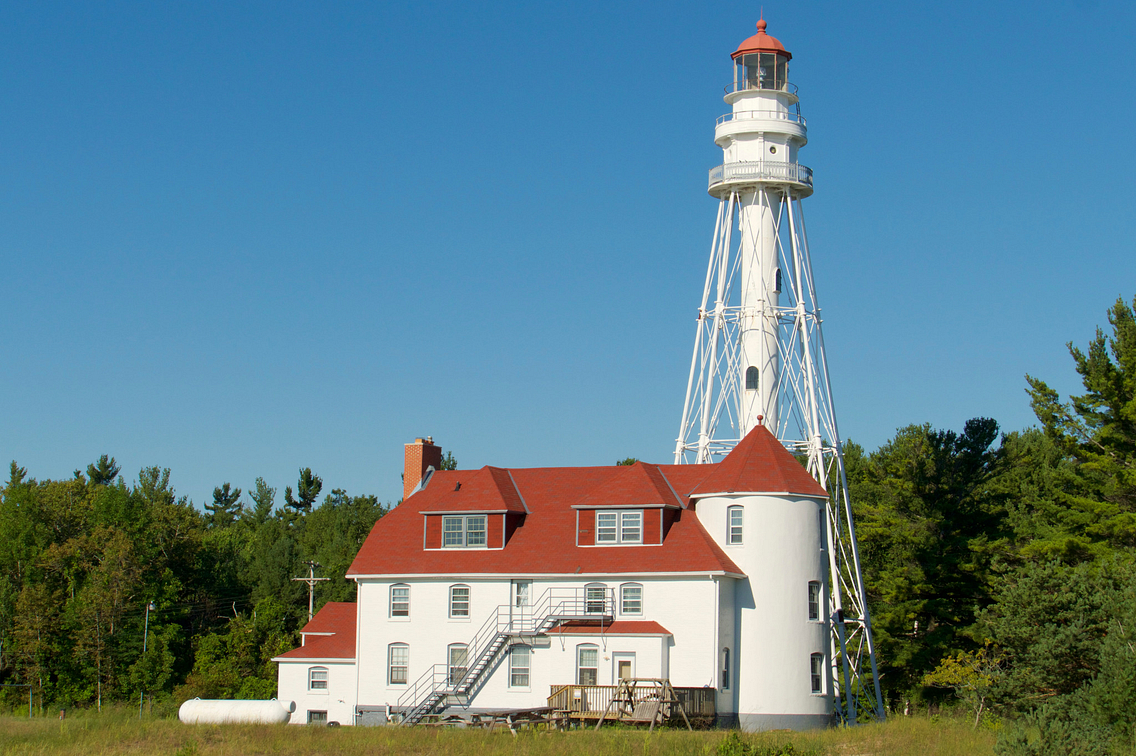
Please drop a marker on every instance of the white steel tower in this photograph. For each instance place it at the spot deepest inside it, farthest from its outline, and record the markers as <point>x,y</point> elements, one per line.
<point>758,352</point>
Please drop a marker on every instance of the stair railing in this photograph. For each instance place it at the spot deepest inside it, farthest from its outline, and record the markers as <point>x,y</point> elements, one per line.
<point>556,605</point>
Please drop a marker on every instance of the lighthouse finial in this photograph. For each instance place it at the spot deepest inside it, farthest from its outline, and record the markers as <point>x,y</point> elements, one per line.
<point>761,23</point>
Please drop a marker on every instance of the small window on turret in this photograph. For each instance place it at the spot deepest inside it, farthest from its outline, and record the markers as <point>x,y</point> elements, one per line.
<point>752,378</point>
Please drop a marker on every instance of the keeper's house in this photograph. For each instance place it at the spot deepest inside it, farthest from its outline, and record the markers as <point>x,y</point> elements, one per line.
<point>487,590</point>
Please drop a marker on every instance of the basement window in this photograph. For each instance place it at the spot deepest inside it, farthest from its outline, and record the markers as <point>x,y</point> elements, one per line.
<point>463,531</point>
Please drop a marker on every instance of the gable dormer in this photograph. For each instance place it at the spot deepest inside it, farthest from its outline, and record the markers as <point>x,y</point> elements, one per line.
<point>635,506</point>
<point>469,509</point>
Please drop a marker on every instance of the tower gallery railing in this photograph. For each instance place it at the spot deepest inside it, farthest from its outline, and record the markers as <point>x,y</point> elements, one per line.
<point>765,115</point>
<point>761,170</point>
<point>443,683</point>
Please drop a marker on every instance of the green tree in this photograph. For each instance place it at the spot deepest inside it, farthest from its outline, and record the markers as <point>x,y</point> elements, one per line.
<point>103,472</point>
<point>308,488</point>
<point>448,462</point>
<point>626,462</point>
<point>930,527</point>
<point>1098,430</point>
<point>263,499</point>
<point>225,507</point>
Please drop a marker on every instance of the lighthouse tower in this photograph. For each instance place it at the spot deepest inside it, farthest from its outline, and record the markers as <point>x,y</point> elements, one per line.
<point>758,351</point>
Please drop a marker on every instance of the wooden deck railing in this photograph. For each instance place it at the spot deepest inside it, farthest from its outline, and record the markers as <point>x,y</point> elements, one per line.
<point>590,701</point>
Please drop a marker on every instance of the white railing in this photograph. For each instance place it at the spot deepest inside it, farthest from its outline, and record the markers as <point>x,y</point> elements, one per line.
<point>762,170</point>
<point>767,115</point>
<point>555,605</point>
<point>743,86</point>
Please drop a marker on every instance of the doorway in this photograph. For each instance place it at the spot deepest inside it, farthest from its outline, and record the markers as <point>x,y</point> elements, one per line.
<point>623,666</point>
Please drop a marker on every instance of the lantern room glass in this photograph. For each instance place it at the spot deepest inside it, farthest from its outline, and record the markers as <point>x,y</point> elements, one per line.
<point>762,71</point>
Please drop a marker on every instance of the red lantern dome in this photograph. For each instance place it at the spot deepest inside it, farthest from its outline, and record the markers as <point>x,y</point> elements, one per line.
<point>761,42</point>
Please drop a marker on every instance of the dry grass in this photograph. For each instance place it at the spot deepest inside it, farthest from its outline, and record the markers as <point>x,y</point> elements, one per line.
<point>120,735</point>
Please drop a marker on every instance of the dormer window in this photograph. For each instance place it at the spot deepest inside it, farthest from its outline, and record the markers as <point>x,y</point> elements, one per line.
<point>619,527</point>
<point>463,531</point>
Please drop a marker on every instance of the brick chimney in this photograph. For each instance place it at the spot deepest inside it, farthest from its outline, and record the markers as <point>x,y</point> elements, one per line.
<point>419,455</point>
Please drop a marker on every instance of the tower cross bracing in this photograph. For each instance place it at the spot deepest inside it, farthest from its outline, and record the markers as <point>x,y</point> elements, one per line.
<point>759,355</point>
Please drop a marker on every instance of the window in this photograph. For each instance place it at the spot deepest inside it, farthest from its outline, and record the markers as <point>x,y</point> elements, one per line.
<point>735,517</point>
<point>400,601</point>
<point>619,527</point>
<point>752,377</point>
<point>816,669</point>
<point>725,669</point>
<point>317,717</point>
<point>398,662</point>
<point>595,599</point>
<point>631,598</point>
<point>814,600</point>
<point>606,530</point>
<point>777,282</point>
<point>631,527</point>
<point>464,531</point>
<point>317,678</point>
<point>519,665</point>
<point>459,601</point>
<point>458,656</point>
<point>522,593</point>
<point>587,660</point>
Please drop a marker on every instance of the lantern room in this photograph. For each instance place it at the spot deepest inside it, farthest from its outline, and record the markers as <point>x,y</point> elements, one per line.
<point>761,62</point>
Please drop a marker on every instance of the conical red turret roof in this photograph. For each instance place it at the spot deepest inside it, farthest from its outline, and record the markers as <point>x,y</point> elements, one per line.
<point>759,464</point>
<point>762,42</point>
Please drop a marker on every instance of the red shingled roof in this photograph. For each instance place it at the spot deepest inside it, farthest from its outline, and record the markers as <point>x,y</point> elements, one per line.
<point>639,485</point>
<point>337,618</point>
<point>489,489</point>
<point>545,541</point>
<point>759,464</point>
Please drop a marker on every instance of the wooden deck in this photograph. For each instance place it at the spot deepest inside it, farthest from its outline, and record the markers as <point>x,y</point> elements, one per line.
<point>587,703</point>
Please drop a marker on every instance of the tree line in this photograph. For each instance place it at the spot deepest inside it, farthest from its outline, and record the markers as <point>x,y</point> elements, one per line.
<point>81,559</point>
<point>999,567</point>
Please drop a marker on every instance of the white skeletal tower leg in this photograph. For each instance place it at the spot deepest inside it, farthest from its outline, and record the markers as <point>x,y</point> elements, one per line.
<point>759,309</point>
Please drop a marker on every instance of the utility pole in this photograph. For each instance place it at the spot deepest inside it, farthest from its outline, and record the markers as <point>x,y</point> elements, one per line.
<point>311,580</point>
<point>145,635</point>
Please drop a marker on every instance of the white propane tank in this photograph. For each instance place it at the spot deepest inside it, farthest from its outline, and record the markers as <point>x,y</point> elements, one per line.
<point>212,711</point>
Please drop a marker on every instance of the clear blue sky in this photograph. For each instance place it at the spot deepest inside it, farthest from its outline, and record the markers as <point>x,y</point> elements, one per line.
<point>242,238</point>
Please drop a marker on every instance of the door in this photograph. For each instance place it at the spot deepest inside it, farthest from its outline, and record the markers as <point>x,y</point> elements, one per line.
<point>623,666</point>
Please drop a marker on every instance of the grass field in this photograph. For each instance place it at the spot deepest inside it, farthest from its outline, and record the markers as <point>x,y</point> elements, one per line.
<point>119,734</point>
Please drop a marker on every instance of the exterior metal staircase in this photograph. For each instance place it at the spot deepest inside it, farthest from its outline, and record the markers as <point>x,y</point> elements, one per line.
<point>443,685</point>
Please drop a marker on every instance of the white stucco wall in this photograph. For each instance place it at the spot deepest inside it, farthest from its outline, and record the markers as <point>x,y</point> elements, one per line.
<point>681,604</point>
<point>338,700</point>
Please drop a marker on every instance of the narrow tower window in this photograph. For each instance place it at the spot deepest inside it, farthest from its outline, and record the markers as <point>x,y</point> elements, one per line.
<point>816,672</point>
<point>777,282</point>
<point>751,378</point>
<point>814,600</point>
<point>725,669</point>
<point>735,517</point>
